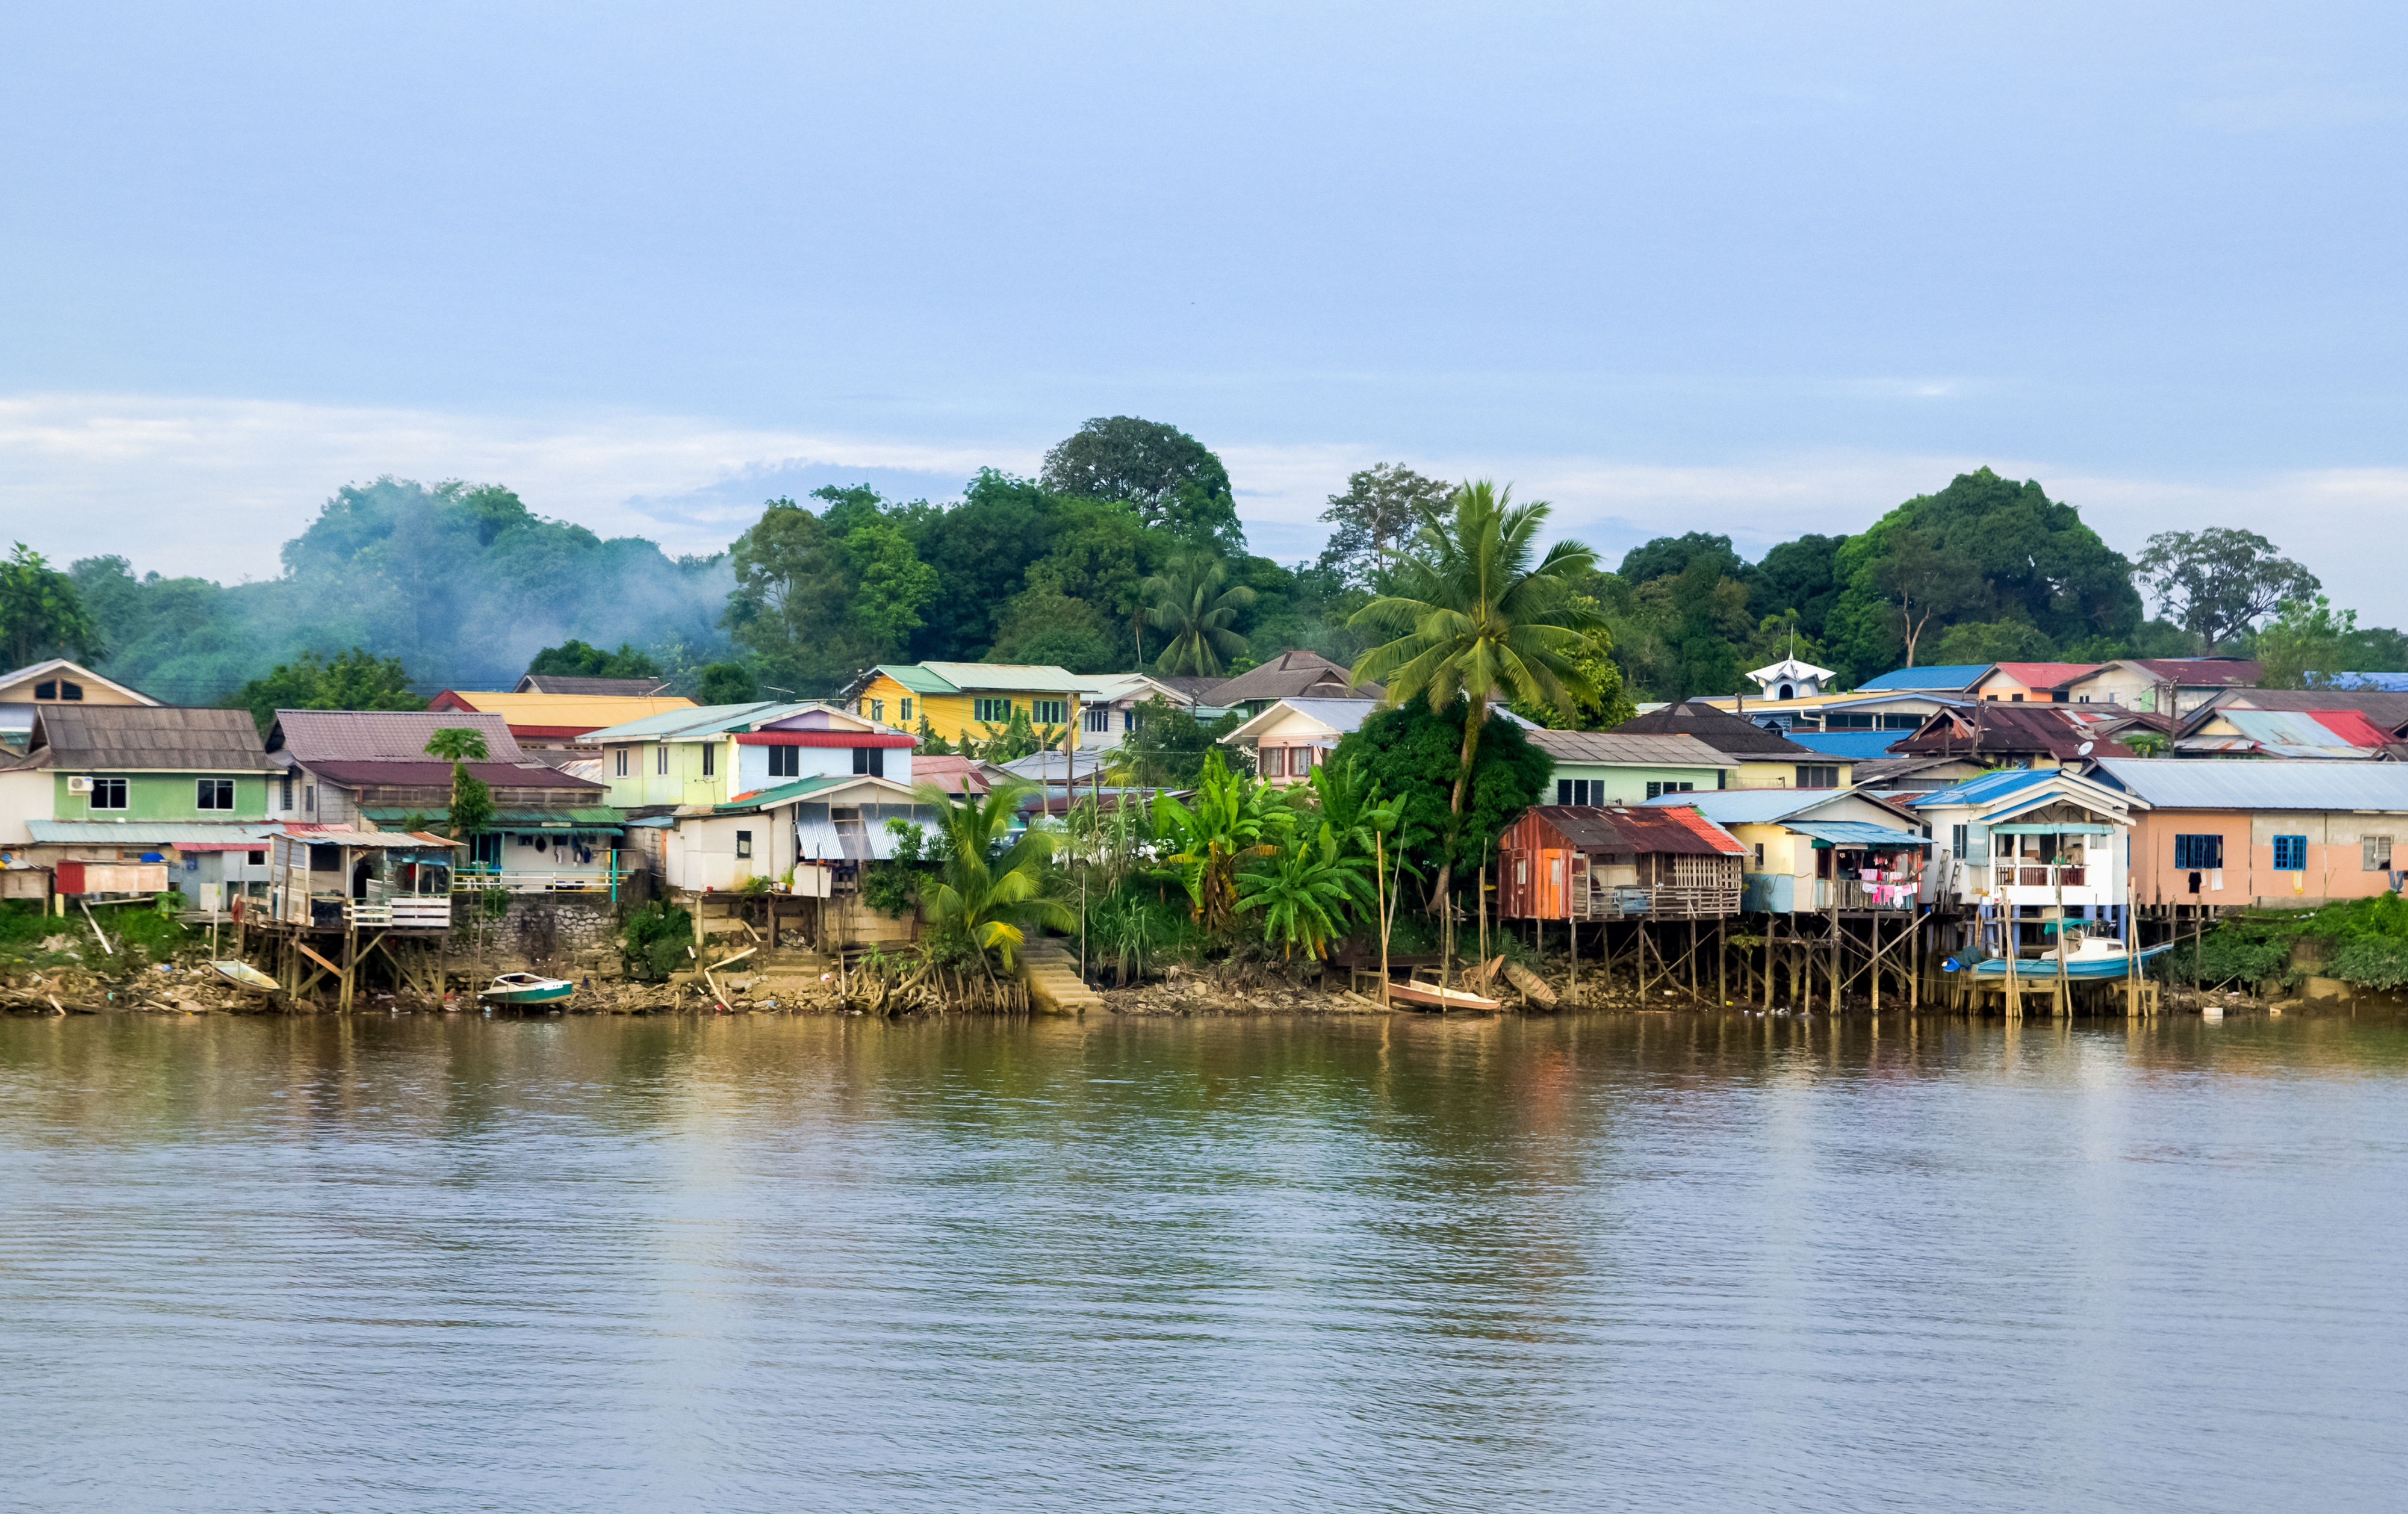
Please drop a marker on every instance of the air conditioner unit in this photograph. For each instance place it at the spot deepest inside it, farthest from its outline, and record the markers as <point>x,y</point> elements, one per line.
<point>79,785</point>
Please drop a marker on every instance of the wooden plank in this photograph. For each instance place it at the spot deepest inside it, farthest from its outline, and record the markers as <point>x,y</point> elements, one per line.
<point>305,950</point>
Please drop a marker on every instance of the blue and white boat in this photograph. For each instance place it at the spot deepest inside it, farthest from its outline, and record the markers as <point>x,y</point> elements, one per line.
<point>2092,957</point>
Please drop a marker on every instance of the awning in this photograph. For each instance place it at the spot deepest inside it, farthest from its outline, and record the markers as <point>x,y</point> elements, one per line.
<point>584,822</point>
<point>1857,834</point>
<point>2055,828</point>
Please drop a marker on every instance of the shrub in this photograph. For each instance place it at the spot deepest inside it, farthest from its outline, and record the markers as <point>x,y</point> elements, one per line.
<point>2379,963</point>
<point>656,939</point>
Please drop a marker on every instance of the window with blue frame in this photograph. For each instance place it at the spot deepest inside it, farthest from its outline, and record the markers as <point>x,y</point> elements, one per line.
<point>2290,854</point>
<point>2199,853</point>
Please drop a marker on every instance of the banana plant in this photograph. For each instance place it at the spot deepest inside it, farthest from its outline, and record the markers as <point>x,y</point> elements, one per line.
<point>1232,820</point>
<point>1307,895</point>
<point>985,889</point>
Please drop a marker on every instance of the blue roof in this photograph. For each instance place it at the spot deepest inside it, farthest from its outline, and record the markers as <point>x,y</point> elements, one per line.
<point>1859,833</point>
<point>1985,789</point>
<point>2389,682</point>
<point>1856,746</point>
<point>1949,678</point>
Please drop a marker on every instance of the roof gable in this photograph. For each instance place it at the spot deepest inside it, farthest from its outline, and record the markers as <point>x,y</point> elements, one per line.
<point>1719,729</point>
<point>1291,674</point>
<point>146,738</point>
<point>57,667</point>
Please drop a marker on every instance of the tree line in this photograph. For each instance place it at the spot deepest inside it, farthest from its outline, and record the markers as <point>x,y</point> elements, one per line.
<point>1127,551</point>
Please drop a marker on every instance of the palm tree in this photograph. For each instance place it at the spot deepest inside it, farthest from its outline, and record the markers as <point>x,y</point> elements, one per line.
<point>987,889</point>
<point>472,801</point>
<point>1476,612</point>
<point>1191,603</point>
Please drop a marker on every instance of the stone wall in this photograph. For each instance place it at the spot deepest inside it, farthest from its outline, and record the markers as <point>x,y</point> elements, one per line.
<point>559,934</point>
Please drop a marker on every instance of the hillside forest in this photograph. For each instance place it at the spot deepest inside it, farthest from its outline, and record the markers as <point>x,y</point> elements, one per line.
<point>1125,550</point>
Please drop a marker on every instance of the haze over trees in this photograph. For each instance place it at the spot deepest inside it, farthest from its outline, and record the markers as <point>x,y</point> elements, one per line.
<point>396,588</point>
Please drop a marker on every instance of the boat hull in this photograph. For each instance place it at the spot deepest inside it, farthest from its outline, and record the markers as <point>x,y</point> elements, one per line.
<point>243,975</point>
<point>544,992</point>
<point>2038,968</point>
<point>1430,997</point>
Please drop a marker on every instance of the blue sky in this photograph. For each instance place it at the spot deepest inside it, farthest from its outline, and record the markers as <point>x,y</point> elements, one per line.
<point>1738,267</point>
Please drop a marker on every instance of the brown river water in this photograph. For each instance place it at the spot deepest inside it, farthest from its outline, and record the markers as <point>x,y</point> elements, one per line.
<point>1645,1261</point>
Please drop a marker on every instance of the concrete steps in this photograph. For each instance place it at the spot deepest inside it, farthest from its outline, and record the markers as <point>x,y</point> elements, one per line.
<point>1054,986</point>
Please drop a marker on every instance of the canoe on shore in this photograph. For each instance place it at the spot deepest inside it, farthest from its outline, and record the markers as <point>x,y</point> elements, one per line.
<point>243,974</point>
<point>1431,996</point>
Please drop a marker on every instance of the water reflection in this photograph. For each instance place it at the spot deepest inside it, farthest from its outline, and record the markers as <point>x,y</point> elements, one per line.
<point>1644,1261</point>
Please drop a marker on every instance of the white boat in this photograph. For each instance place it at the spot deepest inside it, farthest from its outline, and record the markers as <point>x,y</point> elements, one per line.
<point>2090,957</point>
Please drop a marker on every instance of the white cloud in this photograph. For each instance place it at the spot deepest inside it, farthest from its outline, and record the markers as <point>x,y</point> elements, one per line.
<point>214,487</point>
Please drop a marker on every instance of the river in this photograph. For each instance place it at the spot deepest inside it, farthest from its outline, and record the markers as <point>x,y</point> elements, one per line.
<point>1639,1262</point>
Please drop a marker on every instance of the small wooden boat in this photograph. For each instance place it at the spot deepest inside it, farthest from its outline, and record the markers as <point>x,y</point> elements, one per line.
<point>1431,996</point>
<point>243,974</point>
<point>2094,958</point>
<point>526,988</point>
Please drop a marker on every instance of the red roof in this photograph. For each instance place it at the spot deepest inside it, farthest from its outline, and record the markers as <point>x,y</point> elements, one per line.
<point>2352,726</point>
<point>1720,839</point>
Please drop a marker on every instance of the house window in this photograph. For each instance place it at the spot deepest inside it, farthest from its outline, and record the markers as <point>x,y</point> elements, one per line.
<point>108,793</point>
<point>1098,719</point>
<point>2202,853</point>
<point>744,843</point>
<point>1299,762</point>
<point>661,760</point>
<point>903,711</point>
<point>2290,854</point>
<point>620,755</point>
<point>2374,853</point>
<point>258,859</point>
<point>1274,762</point>
<point>214,793</point>
<point>1654,789</point>
<point>991,711</point>
<point>1759,856</point>
<point>869,760</point>
<point>878,711</point>
<point>785,762</point>
<point>284,792</point>
<point>309,798</point>
<point>1818,775</point>
<point>1049,711</point>
<point>710,759</point>
<point>1129,718</point>
<point>58,689</point>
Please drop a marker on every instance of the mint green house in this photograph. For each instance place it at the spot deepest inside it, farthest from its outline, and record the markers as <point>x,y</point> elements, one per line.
<point>113,782</point>
<point>1606,768</point>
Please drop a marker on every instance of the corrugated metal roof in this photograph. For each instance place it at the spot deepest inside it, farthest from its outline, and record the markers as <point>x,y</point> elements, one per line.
<point>1859,833</point>
<point>1717,728</point>
<point>428,774</point>
<point>559,683</point>
<point>1679,832</point>
<point>696,722</point>
<point>1855,745</point>
<point>2391,682</point>
<point>146,738</point>
<point>1011,677</point>
<point>564,712</point>
<point>1987,788</point>
<point>1949,678</point>
<point>1289,675</point>
<point>1752,807</point>
<point>2208,784</point>
<point>312,736</point>
<point>581,817</point>
<point>2045,674</point>
<point>143,832</point>
<point>1628,748</point>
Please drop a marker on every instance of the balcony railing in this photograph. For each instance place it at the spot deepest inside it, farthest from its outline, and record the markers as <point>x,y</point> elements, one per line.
<point>1662,901</point>
<point>403,912</point>
<point>1853,893</point>
<point>2009,875</point>
<point>564,881</point>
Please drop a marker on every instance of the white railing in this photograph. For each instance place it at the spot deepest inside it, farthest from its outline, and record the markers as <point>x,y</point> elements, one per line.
<point>570,880</point>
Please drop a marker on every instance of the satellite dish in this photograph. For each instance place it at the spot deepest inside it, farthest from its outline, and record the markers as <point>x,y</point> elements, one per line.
<point>2084,749</point>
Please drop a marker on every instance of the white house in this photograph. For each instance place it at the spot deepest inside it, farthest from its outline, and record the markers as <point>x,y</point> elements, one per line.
<point>2030,838</point>
<point>1294,735</point>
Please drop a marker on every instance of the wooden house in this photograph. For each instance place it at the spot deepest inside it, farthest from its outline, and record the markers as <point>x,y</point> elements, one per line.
<point>1586,862</point>
<point>2028,838</point>
<point>1812,853</point>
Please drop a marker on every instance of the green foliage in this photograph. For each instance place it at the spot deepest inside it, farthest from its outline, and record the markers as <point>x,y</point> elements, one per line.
<point>42,613</point>
<point>456,743</point>
<point>1797,580</point>
<point>1309,893</point>
<point>725,684</point>
<point>2227,954</point>
<point>574,659</point>
<point>2218,581</point>
<point>1984,548</point>
<point>2377,962</point>
<point>1175,482</point>
<point>654,941</point>
<point>1015,740</point>
<point>1383,505</point>
<point>1169,747</point>
<point>1132,930</point>
<point>892,887</point>
<point>1233,819</point>
<point>2306,645</point>
<point>472,805</point>
<point>1413,754</point>
<point>990,885</point>
<point>1667,557</point>
<point>1195,607</point>
<point>1993,641</point>
<point>463,584</point>
<point>1048,627</point>
<point>352,680</point>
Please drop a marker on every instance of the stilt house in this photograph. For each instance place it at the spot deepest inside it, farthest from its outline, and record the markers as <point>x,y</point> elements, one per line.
<point>1582,862</point>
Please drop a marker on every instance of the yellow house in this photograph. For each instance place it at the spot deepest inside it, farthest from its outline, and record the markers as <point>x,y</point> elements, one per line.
<point>963,699</point>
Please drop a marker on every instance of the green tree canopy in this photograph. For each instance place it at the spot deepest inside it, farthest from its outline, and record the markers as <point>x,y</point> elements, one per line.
<point>352,680</point>
<point>1983,548</point>
<point>574,659</point>
<point>1196,608</point>
<point>1668,556</point>
<point>42,613</point>
<point>1411,755</point>
<point>1381,509</point>
<point>2217,582</point>
<point>725,684</point>
<point>1175,481</point>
